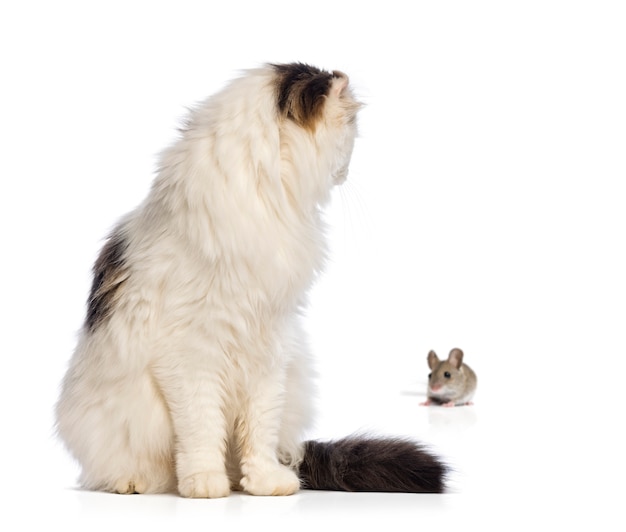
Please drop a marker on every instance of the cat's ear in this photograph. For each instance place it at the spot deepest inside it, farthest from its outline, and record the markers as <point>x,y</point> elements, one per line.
<point>339,83</point>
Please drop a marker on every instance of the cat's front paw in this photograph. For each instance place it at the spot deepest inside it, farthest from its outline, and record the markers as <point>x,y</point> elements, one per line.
<point>210,484</point>
<point>279,480</point>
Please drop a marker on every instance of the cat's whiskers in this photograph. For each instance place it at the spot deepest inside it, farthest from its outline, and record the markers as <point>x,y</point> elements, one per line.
<point>356,219</point>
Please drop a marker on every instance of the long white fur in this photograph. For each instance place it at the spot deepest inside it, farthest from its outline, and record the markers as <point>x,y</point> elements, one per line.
<point>200,379</point>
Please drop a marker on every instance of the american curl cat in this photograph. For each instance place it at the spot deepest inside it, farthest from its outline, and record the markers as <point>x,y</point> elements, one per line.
<point>191,373</point>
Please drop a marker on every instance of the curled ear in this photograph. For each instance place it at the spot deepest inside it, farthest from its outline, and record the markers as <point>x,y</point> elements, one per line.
<point>339,83</point>
<point>456,358</point>
<point>433,360</point>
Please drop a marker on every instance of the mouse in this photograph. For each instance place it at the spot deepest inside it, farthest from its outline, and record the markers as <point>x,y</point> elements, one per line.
<point>451,382</point>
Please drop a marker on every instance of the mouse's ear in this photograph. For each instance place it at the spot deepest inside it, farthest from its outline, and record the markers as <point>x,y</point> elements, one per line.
<point>433,360</point>
<point>456,358</point>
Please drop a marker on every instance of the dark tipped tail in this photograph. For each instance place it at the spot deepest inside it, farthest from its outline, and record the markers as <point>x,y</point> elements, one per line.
<point>371,464</point>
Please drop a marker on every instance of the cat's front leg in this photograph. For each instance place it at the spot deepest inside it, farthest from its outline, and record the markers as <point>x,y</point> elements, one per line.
<point>193,391</point>
<point>258,434</point>
<point>206,484</point>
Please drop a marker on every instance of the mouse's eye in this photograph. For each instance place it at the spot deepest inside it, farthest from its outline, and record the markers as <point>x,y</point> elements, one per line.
<point>429,375</point>
<point>447,375</point>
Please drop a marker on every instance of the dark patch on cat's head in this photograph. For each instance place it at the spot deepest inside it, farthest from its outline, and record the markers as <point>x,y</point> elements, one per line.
<point>109,273</point>
<point>302,92</point>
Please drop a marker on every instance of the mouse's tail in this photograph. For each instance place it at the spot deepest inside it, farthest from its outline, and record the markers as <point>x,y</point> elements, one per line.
<point>359,463</point>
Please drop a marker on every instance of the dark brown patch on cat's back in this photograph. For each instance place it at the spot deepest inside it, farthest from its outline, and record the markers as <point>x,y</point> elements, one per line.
<point>109,274</point>
<point>302,91</point>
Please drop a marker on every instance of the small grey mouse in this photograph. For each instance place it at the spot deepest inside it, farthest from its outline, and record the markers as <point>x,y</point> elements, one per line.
<point>451,382</point>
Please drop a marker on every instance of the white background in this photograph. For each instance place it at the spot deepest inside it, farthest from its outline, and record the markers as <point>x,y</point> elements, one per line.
<point>484,210</point>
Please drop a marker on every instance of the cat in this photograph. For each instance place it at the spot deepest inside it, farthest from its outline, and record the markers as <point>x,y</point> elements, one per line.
<point>191,374</point>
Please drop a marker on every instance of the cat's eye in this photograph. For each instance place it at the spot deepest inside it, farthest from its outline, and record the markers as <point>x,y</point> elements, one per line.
<point>447,375</point>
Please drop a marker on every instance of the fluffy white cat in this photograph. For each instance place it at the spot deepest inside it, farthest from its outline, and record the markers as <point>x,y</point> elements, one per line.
<point>191,373</point>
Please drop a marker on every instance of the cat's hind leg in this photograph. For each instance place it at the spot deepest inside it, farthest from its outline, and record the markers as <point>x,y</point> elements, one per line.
<point>145,459</point>
<point>120,433</point>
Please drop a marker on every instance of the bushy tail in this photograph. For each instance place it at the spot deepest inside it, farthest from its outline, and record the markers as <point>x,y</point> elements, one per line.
<point>359,463</point>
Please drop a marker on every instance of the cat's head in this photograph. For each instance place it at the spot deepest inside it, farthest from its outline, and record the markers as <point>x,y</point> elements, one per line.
<point>321,105</point>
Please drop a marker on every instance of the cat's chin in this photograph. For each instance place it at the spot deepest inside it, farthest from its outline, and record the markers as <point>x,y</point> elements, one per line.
<point>340,176</point>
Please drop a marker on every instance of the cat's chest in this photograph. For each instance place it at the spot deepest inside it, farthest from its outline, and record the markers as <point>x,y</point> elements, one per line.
<point>277,274</point>
<point>271,276</point>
